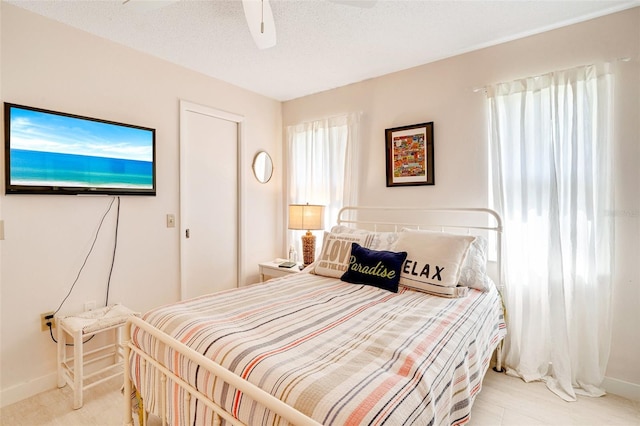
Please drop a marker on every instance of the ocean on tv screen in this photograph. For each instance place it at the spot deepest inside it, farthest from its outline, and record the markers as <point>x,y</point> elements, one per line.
<point>40,168</point>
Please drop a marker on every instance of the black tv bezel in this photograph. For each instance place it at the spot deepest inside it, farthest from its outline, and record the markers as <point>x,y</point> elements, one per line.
<point>68,190</point>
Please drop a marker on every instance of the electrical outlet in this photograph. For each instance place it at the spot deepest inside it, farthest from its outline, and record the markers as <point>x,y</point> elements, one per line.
<point>89,306</point>
<point>45,319</point>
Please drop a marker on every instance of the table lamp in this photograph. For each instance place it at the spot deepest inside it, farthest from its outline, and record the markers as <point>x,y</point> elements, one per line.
<point>307,217</point>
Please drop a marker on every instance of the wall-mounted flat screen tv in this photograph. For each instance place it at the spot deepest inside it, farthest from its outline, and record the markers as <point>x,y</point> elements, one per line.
<point>48,152</point>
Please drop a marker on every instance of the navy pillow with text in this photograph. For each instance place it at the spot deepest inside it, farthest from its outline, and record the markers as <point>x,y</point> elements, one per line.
<point>373,267</point>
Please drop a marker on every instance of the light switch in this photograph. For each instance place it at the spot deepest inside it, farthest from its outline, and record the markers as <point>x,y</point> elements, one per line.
<point>171,221</point>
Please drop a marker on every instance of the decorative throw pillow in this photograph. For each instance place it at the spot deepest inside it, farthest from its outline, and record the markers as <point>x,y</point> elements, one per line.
<point>380,240</point>
<point>376,268</point>
<point>474,269</point>
<point>336,251</point>
<point>342,229</point>
<point>384,241</point>
<point>434,261</point>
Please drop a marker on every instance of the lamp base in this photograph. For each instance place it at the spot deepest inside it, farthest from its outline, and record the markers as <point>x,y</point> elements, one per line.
<point>308,248</point>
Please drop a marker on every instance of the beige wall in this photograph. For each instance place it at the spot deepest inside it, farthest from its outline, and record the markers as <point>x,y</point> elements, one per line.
<point>53,66</point>
<point>442,92</point>
<point>49,65</point>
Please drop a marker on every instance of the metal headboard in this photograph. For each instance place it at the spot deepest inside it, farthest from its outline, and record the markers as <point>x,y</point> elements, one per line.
<point>472,220</point>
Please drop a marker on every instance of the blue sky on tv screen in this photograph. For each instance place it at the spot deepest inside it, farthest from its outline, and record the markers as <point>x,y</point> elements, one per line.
<point>41,131</point>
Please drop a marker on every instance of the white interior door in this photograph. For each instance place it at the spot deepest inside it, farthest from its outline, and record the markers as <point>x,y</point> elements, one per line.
<point>209,200</point>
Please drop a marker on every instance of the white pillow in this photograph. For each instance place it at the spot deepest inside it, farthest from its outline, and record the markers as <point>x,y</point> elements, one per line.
<point>474,270</point>
<point>384,241</point>
<point>342,229</point>
<point>380,241</point>
<point>336,252</point>
<point>434,261</point>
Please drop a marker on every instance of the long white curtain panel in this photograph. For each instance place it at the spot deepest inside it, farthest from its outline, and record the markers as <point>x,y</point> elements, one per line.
<point>551,171</point>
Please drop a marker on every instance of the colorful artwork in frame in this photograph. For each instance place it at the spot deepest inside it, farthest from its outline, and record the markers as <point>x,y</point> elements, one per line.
<point>409,153</point>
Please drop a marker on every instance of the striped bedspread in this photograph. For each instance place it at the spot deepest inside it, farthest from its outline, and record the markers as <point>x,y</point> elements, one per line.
<point>341,353</point>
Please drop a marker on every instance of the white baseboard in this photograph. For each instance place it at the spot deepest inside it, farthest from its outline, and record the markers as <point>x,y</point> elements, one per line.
<point>25,390</point>
<point>621,388</point>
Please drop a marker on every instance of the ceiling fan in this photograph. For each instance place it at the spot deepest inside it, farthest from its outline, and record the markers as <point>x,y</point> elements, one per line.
<point>257,13</point>
<point>262,26</point>
<point>260,21</point>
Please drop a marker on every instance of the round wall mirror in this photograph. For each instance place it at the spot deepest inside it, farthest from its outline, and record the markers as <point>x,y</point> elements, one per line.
<point>262,167</point>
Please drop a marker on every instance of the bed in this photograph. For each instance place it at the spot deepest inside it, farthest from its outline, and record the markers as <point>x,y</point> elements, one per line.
<point>311,348</point>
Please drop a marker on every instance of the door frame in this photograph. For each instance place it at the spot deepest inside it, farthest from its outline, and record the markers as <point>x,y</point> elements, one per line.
<point>186,107</point>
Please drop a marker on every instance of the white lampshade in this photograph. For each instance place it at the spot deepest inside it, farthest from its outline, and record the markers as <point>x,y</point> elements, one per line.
<point>306,216</point>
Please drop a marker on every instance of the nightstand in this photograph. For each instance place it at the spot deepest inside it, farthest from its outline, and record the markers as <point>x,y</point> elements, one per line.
<point>271,269</point>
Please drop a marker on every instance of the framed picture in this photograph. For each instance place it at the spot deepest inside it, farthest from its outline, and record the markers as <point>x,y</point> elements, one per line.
<point>410,155</point>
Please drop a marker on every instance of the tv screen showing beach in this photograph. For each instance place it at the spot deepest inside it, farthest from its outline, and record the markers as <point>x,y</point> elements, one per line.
<point>50,152</point>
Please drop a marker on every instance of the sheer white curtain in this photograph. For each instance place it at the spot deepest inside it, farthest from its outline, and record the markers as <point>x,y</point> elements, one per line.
<point>551,171</point>
<point>322,168</point>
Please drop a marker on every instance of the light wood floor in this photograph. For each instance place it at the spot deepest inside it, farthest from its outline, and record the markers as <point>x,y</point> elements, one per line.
<point>503,400</point>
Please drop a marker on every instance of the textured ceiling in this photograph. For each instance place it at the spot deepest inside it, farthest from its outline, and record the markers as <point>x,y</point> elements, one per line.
<point>321,44</point>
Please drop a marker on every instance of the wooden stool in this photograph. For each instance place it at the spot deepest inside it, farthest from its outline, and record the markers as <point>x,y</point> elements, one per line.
<point>79,328</point>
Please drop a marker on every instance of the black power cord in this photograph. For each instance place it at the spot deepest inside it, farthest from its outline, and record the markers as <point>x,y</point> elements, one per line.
<point>66,344</point>
<point>49,323</point>
<point>113,257</point>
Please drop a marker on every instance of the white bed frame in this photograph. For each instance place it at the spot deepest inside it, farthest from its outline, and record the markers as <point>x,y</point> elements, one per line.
<point>467,220</point>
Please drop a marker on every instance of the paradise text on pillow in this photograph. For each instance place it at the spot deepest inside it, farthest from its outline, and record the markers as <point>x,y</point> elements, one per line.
<point>379,270</point>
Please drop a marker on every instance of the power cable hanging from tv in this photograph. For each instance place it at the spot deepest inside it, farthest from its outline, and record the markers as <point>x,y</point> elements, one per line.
<point>95,238</point>
<point>93,243</point>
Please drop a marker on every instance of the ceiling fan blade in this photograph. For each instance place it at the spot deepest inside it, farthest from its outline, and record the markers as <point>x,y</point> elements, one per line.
<point>260,21</point>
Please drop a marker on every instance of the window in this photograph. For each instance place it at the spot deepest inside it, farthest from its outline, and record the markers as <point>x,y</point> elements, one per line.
<point>321,167</point>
